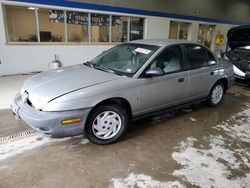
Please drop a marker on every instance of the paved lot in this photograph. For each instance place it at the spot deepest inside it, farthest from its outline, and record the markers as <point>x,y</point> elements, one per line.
<point>194,147</point>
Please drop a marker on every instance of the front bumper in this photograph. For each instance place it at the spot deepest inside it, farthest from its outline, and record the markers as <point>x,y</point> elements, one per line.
<point>245,79</point>
<point>49,123</point>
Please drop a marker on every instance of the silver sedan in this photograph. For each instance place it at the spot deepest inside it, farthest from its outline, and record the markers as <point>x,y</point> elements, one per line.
<point>100,97</point>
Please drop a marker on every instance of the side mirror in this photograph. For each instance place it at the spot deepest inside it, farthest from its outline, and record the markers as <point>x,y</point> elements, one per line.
<point>153,72</point>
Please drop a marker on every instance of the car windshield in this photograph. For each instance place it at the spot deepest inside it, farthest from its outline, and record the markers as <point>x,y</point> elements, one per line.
<point>125,59</point>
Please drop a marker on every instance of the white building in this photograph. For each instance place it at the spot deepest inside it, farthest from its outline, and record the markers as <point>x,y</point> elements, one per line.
<point>34,31</point>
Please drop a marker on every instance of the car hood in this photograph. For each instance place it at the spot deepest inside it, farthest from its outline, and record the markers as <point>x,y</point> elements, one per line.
<point>238,36</point>
<point>51,84</point>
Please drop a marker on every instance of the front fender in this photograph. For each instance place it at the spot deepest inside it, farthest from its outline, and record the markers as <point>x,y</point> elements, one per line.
<point>90,97</point>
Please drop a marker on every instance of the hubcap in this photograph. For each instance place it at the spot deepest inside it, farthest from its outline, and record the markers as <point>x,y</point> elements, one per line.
<point>217,94</point>
<point>106,125</point>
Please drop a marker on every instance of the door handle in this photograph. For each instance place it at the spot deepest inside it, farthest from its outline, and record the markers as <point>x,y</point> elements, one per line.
<point>181,79</point>
<point>212,73</point>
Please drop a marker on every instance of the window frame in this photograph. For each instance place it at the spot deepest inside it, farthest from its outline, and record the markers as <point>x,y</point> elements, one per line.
<point>68,24</point>
<point>128,28</point>
<point>5,24</point>
<point>179,28</point>
<point>215,59</point>
<point>65,37</point>
<point>207,57</point>
<point>132,44</point>
<point>206,26</point>
<point>38,16</point>
<point>163,51</point>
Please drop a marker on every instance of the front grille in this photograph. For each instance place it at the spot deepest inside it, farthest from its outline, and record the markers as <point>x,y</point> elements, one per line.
<point>29,103</point>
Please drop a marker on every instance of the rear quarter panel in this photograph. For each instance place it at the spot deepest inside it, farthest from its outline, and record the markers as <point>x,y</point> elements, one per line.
<point>201,81</point>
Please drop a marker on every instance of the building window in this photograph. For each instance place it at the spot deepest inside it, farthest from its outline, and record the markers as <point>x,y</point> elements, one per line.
<point>51,25</point>
<point>179,30</point>
<point>119,29</point>
<point>77,25</point>
<point>21,24</point>
<point>34,24</point>
<point>136,28</point>
<point>205,34</point>
<point>100,27</point>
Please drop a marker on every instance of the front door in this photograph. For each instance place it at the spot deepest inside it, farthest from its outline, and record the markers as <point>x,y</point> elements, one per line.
<point>169,89</point>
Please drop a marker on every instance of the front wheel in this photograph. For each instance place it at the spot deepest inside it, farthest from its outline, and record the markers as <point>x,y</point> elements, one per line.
<point>106,124</point>
<point>216,94</point>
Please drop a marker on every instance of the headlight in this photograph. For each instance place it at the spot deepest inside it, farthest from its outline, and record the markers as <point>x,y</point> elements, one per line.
<point>36,102</point>
<point>22,90</point>
<point>238,72</point>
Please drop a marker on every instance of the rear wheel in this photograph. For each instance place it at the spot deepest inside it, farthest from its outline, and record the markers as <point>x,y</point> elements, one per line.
<point>107,124</point>
<point>216,94</point>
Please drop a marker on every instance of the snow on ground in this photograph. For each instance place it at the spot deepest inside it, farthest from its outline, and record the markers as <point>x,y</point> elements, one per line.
<point>226,155</point>
<point>223,162</point>
<point>27,143</point>
<point>11,149</point>
<point>142,181</point>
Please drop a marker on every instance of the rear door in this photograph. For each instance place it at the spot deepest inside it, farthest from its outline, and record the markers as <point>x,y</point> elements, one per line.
<point>203,70</point>
<point>169,89</point>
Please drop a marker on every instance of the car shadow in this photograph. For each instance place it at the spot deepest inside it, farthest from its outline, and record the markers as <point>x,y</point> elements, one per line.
<point>138,126</point>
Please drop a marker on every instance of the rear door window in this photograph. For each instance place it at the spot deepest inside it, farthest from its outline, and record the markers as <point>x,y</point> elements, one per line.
<point>197,56</point>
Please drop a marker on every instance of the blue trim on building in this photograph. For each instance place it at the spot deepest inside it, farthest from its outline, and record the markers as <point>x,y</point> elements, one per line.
<point>90,6</point>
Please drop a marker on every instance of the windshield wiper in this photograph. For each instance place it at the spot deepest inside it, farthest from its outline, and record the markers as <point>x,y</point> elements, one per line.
<point>88,63</point>
<point>103,68</point>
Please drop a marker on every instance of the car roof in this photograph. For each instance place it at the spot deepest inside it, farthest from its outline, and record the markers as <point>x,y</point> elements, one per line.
<point>161,42</point>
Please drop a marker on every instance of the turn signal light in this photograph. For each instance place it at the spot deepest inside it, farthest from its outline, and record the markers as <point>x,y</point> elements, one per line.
<point>73,120</point>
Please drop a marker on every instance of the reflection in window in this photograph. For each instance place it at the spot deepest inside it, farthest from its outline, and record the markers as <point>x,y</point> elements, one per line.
<point>205,34</point>
<point>183,34</point>
<point>178,30</point>
<point>119,28</point>
<point>173,30</point>
<point>21,24</point>
<point>136,28</point>
<point>51,24</point>
<point>100,27</point>
<point>170,61</point>
<point>126,58</point>
<point>77,24</point>
<point>29,24</point>
<point>196,56</point>
<point>211,59</point>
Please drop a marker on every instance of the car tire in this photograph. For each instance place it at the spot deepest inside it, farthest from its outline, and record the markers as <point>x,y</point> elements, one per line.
<point>215,96</point>
<point>107,124</point>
